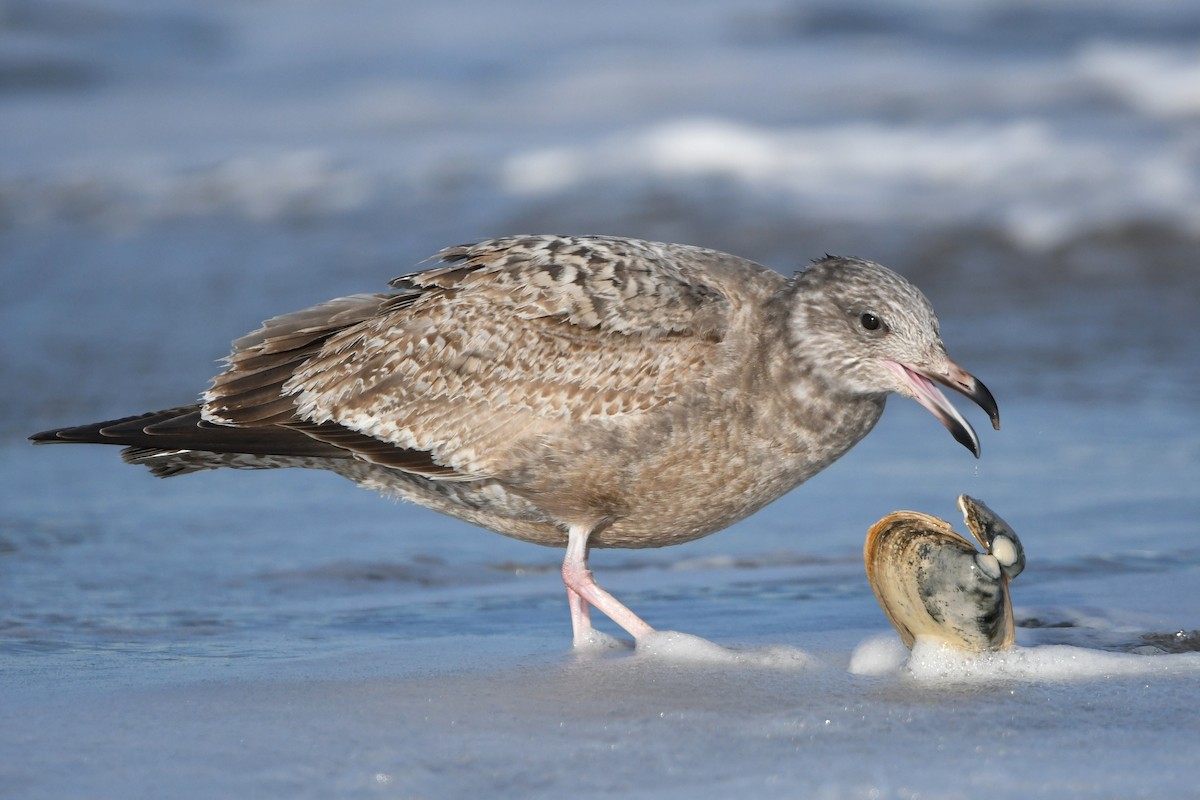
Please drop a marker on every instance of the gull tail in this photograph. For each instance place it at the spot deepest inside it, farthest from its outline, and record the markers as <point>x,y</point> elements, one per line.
<point>176,441</point>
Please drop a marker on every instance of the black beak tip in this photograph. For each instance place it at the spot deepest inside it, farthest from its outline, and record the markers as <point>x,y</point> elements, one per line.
<point>980,394</point>
<point>966,439</point>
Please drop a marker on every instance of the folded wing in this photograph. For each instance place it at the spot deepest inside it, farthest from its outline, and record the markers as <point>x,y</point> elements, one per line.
<point>508,342</point>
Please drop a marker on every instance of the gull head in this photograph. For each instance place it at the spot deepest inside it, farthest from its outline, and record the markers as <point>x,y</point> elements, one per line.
<point>866,331</point>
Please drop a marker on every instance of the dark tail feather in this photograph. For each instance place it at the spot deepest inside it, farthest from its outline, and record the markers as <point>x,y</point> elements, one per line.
<point>177,440</point>
<point>91,433</point>
<point>182,429</point>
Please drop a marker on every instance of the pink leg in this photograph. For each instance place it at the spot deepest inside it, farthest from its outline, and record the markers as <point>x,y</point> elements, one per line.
<point>583,591</point>
<point>581,616</point>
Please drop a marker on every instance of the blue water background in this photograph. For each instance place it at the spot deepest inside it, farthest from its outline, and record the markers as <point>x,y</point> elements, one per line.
<point>171,174</point>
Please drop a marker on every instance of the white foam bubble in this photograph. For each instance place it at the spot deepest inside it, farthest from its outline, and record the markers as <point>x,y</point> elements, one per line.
<point>686,648</point>
<point>934,661</point>
<point>599,642</point>
<point>879,655</point>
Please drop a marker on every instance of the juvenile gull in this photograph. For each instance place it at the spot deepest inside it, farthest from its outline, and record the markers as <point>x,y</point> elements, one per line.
<point>575,392</point>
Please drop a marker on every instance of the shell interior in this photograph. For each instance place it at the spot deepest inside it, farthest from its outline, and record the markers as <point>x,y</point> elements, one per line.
<point>930,581</point>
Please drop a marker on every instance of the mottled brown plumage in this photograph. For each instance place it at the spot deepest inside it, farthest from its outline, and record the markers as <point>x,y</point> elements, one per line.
<point>570,391</point>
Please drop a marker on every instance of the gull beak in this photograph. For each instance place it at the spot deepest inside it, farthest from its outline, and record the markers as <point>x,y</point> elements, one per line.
<point>919,385</point>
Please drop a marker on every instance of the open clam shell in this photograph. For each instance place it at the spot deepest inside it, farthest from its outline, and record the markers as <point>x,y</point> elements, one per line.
<point>931,581</point>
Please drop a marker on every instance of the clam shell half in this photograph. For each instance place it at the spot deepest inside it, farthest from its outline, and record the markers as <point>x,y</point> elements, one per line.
<point>931,581</point>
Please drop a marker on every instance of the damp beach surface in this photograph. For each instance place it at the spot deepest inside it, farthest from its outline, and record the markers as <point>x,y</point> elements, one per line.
<point>167,180</point>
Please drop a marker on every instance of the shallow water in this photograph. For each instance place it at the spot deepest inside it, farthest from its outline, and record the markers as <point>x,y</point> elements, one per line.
<point>169,178</point>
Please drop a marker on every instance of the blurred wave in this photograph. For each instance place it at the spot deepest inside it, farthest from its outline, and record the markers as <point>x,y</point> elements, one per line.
<point>1042,124</point>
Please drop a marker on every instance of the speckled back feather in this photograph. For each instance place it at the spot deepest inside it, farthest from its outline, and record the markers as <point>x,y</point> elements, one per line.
<point>511,339</point>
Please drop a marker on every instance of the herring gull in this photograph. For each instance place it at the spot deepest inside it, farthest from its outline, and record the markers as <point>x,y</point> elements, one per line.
<point>569,391</point>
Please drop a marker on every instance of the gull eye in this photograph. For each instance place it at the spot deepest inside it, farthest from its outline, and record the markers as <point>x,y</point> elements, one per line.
<point>870,322</point>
